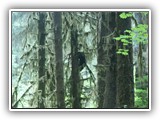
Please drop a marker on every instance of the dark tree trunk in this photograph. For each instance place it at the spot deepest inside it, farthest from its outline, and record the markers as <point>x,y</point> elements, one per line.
<point>41,54</point>
<point>101,70</point>
<point>110,55</point>
<point>75,81</point>
<point>107,62</point>
<point>59,60</point>
<point>125,84</point>
<point>140,64</point>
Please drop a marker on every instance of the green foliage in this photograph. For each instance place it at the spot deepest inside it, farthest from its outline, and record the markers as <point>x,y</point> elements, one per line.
<point>141,95</point>
<point>137,34</point>
<point>140,33</point>
<point>125,15</point>
<point>141,98</point>
<point>122,51</point>
<point>144,78</point>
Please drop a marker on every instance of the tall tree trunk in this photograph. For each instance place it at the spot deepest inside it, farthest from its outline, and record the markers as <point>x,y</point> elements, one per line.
<point>41,54</point>
<point>106,61</point>
<point>59,60</point>
<point>75,80</point>
<point>110,59</point>
<point>125,84</point>
<point>100,60</point>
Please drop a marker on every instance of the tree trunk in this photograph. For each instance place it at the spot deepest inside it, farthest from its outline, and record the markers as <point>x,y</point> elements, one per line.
<point>107,62</point>
<point>125,84</point>
<point>100,61</point>
<point>75,80</point>
<point>59,60</point>
<point>41,54</point>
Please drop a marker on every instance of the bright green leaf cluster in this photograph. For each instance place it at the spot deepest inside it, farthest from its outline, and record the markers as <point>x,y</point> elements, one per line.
<point>125,39</point>
<point>140,33</point>
<point>123,51</point>
<point>125,15</point>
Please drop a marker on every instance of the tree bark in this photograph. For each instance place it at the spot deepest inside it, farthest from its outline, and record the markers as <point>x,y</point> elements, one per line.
<point>75,80</point>
<point>125,84</point>
<point>59,60</point>
<point>107,62</point>
<point>41,54</point>
<point>101,71</point>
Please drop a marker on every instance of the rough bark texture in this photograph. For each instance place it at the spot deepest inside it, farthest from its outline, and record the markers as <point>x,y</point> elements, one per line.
<point>75,81</point>
<point>41,54</point>
<point>59,60</point>
<point>125,86</point>
<point>107,62</point>
<point>110,55</point>
<point>101,70</point>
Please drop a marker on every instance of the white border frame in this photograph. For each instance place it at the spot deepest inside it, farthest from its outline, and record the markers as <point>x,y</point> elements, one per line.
<point>75,10</point>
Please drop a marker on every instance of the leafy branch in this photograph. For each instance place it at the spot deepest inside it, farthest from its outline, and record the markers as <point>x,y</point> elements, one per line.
<point>137,34</point>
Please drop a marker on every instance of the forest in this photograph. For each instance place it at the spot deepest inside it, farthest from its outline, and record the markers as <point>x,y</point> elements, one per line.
<point>80,60</point>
